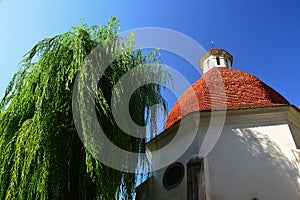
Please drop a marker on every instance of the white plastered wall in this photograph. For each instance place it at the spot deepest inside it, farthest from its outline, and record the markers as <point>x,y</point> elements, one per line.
<point>246,163</point>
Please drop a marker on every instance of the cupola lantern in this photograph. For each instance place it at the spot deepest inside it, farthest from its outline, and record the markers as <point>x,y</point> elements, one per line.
<point>215,58</point>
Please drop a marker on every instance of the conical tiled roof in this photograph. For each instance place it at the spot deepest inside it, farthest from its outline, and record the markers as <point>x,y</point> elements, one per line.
<point>221,89</point>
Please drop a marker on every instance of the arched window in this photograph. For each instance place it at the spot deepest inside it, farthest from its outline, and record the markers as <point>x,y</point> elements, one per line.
<point>218,60</point>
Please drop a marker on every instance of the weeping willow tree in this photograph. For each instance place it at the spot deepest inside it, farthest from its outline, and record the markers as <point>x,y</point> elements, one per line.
<point>41,154</point>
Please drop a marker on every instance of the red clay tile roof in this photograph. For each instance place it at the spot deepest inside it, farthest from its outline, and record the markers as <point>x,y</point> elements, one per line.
<point>241,90</point>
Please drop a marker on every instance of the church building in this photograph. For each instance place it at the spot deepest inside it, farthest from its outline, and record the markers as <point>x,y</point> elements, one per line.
<point>228,137</point>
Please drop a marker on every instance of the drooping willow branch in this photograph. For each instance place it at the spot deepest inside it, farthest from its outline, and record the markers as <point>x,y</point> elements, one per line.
<point>41,155</point>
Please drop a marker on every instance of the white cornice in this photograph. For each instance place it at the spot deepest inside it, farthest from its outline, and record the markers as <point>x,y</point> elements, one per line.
<point>241,118</point>
<point>294,116</point>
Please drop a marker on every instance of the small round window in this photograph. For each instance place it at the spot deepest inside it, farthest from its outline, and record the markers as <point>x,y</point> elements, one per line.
<point>173,175</point>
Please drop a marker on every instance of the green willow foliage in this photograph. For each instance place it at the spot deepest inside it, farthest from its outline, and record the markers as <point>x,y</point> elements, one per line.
<point>41,155</point>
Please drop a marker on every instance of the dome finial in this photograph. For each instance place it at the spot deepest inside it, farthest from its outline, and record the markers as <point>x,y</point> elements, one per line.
<point>212,44</point>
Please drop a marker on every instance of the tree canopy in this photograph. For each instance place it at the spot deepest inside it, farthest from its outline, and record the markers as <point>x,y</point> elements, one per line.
<point>41,154</point>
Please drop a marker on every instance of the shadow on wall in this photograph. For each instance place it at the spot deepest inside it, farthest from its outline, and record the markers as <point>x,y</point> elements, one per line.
<point>267,159</point>
<point>261,145</point>
<point>249,162</point>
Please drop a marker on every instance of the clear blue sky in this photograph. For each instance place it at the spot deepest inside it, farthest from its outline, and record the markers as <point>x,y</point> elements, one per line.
<point>263,36</point>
